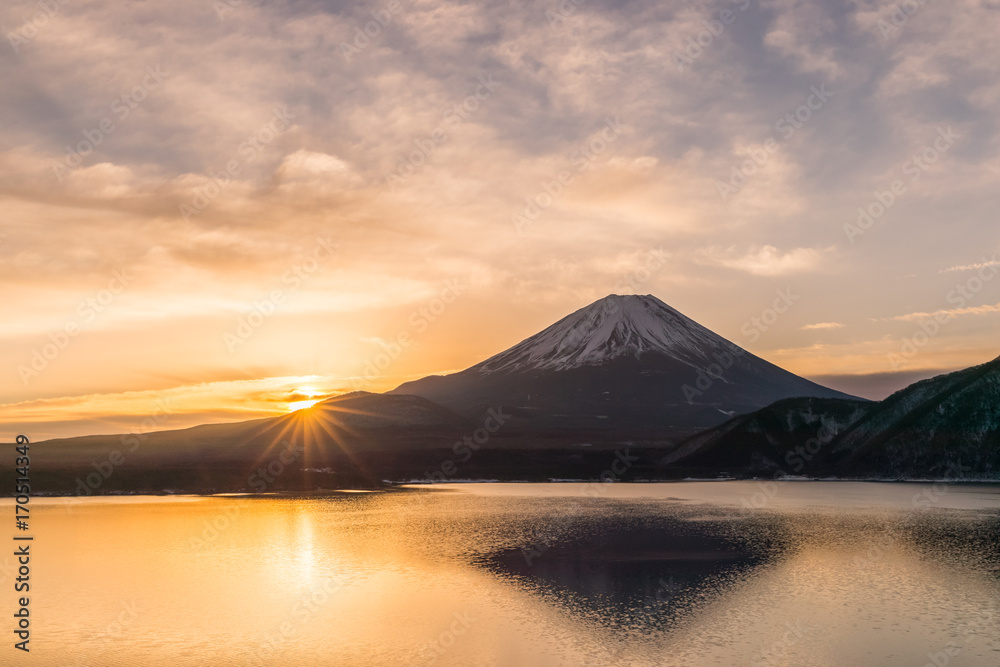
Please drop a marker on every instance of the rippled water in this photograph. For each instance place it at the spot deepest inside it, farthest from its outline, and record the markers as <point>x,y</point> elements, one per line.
<point>734,573</point>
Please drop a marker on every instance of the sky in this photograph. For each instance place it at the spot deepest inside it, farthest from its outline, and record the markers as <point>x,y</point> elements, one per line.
<point>215,209</point>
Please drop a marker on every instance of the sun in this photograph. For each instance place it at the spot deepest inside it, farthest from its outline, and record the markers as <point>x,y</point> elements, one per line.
<point>313,397</point>
<point>302,405</point>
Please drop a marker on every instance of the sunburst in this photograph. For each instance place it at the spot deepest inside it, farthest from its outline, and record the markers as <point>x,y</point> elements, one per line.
<point>320,431</point>
<point>295,406</point>
<point>307,397</point>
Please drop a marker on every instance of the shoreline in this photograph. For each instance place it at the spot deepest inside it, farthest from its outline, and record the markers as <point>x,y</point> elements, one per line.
<point>416,485</point>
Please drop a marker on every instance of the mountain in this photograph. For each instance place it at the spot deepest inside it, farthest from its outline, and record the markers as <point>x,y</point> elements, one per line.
<point>338,442</point>
<point>626,364</point>
<point>945,427</point>
<point>622,387</point>
<point>763,443</point>
<point>351,441</point>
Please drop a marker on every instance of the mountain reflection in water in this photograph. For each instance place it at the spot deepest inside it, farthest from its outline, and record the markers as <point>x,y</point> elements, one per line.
<point>645,574</point>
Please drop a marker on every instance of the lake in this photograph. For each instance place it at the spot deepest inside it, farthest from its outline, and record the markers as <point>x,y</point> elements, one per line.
<point>688,573</point>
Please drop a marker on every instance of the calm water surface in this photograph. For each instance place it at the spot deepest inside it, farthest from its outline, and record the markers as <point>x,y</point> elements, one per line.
<point>721,573</point>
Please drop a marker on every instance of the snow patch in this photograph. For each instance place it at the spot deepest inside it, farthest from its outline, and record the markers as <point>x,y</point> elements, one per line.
<point>615,326</point>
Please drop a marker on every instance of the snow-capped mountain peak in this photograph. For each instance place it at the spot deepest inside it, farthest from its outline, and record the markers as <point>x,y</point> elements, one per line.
<point>612,327</point>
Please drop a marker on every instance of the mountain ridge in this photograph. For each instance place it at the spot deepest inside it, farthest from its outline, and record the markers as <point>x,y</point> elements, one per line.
<point>614,326</point>
<point>625,363</point>
<point>940,427</point>
<point>608,378</point>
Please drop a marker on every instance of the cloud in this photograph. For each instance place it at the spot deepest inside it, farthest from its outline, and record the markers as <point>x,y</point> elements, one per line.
<point>949,314</point>
<point>765,260</point>
<point>354,122</point>
<point>309,164</point>
<point>972,267</point>
<point>167,408</point>
<point>805,35</point>
<point>823,325</point>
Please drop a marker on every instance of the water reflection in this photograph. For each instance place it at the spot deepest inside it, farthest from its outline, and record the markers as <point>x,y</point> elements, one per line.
<point>673,574</point>
<point>633,569</point>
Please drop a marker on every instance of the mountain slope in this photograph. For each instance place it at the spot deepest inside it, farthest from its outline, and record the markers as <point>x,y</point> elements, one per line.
<point>942,427</point>
<point>346,434</point>
<point>946,427</point>
<point>613,327</point>
<point>622,364</point>
<point>765,442</point>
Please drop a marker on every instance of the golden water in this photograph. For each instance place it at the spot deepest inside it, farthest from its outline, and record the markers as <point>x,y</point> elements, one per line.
<point>837,574</point>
